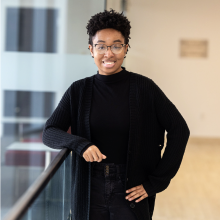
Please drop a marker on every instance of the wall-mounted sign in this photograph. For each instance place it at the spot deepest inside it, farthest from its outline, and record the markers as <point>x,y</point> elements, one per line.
<point>194,48</point>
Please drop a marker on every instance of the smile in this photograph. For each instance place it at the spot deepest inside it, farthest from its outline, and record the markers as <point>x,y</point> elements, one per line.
<point>109,64</point>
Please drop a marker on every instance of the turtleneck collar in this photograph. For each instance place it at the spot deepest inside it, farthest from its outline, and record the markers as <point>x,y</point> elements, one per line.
<point>113,77</point>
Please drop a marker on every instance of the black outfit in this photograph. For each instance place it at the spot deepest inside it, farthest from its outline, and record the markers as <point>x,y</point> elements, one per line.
<point>107,193</point>
<point>151,113</point>
<point>109,117</point>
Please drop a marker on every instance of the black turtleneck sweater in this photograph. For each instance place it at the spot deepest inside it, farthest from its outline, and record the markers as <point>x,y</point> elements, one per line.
<point>109,117</point>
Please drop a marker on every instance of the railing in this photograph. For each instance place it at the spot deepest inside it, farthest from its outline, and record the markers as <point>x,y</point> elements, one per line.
<point>49,197</point>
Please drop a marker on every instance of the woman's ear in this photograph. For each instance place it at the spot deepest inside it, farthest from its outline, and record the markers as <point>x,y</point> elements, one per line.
<point>91,50</point>
<point>126,48</point>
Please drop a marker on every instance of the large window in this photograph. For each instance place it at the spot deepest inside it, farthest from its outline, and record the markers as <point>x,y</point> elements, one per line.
<point>44,49</point>
<point>31,29</point>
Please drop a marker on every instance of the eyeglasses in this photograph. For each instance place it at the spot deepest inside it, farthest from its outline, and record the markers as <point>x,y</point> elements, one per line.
<point>115,48</point>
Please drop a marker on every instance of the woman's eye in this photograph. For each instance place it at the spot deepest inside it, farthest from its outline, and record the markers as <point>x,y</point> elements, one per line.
<point>116,47</point>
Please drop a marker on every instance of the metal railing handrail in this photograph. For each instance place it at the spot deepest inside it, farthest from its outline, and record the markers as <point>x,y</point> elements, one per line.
<point>21,206</point>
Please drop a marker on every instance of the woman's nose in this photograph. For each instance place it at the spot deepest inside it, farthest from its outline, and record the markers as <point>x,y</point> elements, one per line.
<point>109,53</point>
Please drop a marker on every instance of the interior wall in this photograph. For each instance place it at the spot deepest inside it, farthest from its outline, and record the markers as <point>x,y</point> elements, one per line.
<point>192,84</point>
<point>78,15</point>
<point>114,4</point>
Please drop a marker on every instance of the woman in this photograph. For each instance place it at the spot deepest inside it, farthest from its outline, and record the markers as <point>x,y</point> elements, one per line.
<point>118,121</point>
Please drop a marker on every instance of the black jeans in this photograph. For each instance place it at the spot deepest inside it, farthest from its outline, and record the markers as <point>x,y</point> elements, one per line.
<point>108,193</point>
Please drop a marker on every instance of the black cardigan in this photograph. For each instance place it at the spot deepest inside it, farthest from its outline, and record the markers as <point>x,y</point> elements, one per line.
<point>151,113</point>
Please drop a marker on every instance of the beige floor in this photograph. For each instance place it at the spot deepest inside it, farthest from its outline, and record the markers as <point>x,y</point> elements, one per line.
<point>194,193</point>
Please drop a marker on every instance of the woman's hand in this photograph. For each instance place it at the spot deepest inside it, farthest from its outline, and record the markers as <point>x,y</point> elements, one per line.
<point>93,154</point>
<point>136,192</point>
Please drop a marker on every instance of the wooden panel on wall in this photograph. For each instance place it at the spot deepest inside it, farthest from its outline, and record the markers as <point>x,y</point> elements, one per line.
<point>194,48</point>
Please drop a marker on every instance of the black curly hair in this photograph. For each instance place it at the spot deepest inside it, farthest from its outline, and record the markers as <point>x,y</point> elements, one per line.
<point>109,19</point>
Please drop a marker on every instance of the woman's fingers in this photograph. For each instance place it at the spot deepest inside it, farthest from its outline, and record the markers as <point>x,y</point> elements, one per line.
<point>90,157</point>
<point>93,154</point>
<point>98,156</point>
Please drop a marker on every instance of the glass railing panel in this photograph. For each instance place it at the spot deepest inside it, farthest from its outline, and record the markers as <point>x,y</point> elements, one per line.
<point>54,202</point>
<point>44,48</point>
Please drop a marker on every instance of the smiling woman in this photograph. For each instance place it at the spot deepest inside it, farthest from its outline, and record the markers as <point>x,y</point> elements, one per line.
<point>108,58</point>
<point>108,43</point>
<point>118,120</point>
<point>108,40</point>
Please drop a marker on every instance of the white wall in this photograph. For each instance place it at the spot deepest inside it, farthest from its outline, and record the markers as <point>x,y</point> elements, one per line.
<point>114,4</point>
<point>78,15</point>
<point>192,84</point>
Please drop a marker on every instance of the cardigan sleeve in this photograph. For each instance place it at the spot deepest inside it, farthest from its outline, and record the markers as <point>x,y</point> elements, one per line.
<point>177,137</point>
<point>55,129</point>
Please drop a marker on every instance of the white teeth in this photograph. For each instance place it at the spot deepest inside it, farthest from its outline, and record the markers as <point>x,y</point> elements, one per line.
<point>109,62</point>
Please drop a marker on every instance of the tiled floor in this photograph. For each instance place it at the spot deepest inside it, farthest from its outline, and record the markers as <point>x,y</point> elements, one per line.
<point>194,193</point>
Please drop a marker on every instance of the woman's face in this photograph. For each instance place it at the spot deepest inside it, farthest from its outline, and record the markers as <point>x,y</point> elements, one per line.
<point>108,63</point>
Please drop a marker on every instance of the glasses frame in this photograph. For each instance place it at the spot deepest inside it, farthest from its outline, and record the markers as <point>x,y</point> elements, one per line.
<point>110,48</point>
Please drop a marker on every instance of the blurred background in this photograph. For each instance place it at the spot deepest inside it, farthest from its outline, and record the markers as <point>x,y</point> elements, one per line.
<point>44,48</point>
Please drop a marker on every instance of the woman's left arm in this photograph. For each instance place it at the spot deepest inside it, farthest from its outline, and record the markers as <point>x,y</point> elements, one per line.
<point>177,137</point>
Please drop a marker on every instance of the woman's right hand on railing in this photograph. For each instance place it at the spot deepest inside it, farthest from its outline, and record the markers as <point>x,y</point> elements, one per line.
<point>93,154</point>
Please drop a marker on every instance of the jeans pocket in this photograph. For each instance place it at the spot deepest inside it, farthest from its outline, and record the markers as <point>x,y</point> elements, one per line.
<point>122,179</point>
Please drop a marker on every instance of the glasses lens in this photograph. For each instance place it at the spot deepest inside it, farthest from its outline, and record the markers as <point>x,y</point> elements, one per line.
<point>101,48</point>
<point>116,48</point>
